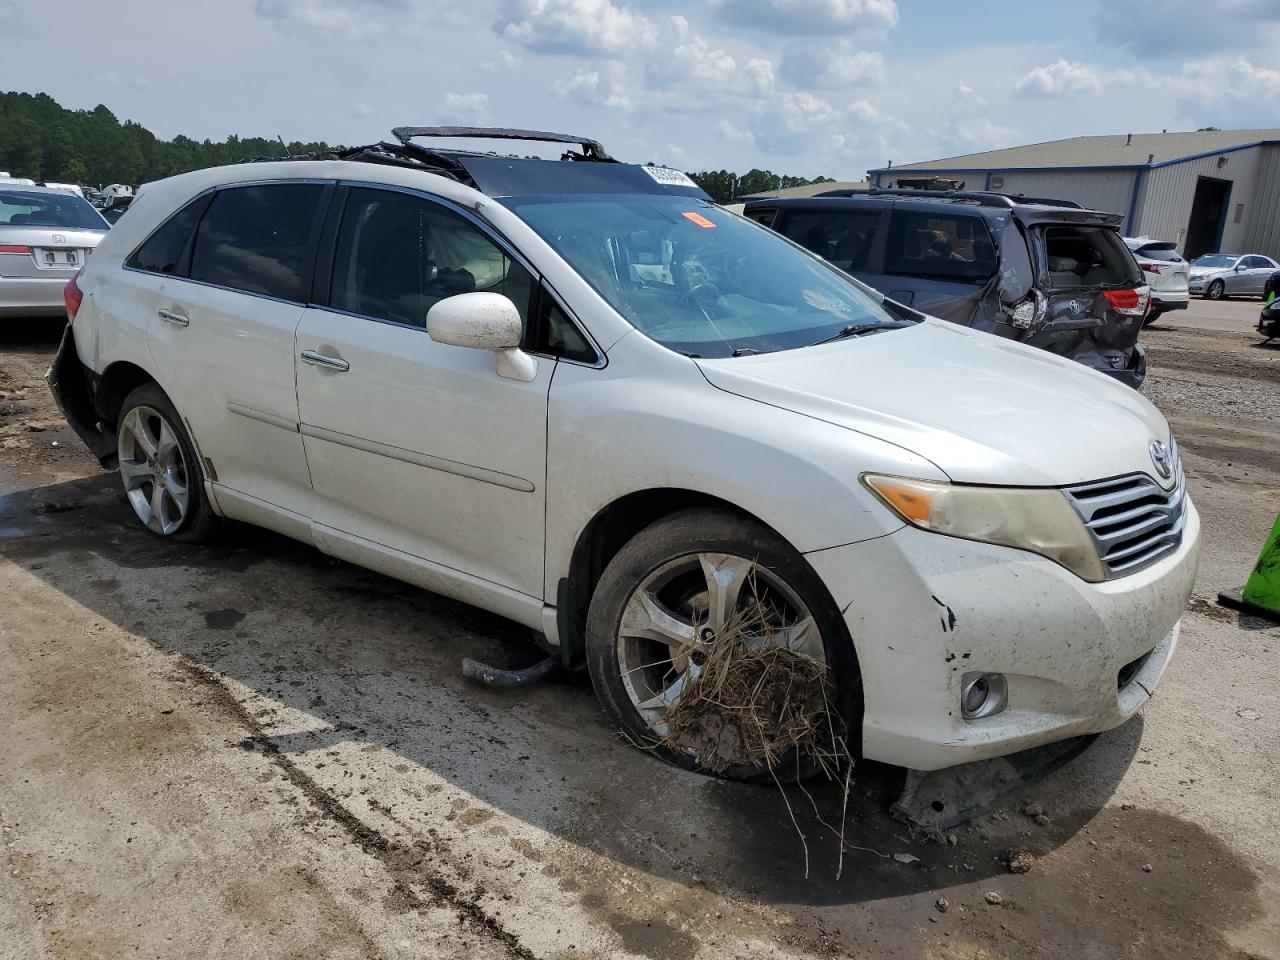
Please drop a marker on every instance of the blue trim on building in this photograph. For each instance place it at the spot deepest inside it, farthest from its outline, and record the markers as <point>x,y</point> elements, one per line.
<point>987,185</point>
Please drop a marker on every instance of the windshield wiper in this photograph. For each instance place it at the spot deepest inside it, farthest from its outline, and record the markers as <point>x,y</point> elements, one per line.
<point>854,329</point>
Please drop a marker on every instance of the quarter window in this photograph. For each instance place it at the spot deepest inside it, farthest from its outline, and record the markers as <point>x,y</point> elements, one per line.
<point>165,250</point>
<point>939,245</point>
<point>399,254</point>
<point>259,239</point>
<point>841,237</point>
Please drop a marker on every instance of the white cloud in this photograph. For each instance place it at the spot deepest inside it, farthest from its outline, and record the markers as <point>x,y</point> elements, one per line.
<point>1061,78</point>
<point>836,64</point>
<point>809,16</point>
<point>351,19</point>
<point>574,26</point>
<point>606,83</point>
<point>1215,91</point>
<point>505,60</point>
<point>970,135</point>
<point>465,106</point>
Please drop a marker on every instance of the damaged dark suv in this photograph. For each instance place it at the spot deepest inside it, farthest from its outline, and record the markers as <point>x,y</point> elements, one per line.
<point>1044,272</point>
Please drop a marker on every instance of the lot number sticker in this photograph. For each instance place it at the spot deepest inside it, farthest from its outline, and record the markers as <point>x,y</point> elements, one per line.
<point>668,177</point>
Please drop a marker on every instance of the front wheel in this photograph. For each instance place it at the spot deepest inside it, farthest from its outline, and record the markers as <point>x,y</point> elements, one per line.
<point>1216,290</point>
<point>660,619</point>
<point>158,467</point>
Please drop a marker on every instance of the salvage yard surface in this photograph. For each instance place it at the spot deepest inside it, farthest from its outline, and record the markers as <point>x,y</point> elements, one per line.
<point>251,750</point>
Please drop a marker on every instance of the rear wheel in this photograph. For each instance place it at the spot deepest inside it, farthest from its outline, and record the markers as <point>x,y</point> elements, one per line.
<point>673,590</point>
<point>1216,290</point>
<point>158,467</point>
<point>1152,317</point>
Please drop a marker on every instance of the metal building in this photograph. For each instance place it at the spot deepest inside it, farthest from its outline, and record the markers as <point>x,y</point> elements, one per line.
<point>1206,191</point>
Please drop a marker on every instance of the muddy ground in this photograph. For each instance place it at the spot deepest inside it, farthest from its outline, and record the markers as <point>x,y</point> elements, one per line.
<point>249,750</point>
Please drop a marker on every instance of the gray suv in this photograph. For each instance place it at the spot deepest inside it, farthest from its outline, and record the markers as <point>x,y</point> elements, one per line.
<point>1043,272</point>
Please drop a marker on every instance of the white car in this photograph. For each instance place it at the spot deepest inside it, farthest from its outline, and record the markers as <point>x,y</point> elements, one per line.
<point>1166,273</point>
<point>1218,275</point>
<point>580,395</point>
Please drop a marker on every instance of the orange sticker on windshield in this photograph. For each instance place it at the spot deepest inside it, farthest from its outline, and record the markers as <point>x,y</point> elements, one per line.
<point>697,218</point>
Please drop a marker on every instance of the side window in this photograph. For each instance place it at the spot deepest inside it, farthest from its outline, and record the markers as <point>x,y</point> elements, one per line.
<point>841,237</point>
<point>764,216</point>
<point>939,245</point>
<point>165,251</point>
<point>557,335</point>
<point>259,239</point>
<point>1258,263</point>
<point>399,254</point>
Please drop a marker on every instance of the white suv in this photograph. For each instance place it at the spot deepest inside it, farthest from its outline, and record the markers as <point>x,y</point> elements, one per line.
<point>578,394</point>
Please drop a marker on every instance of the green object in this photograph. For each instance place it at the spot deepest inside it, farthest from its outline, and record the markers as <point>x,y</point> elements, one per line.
<point>1263,588</point>
<point>1271,298</point>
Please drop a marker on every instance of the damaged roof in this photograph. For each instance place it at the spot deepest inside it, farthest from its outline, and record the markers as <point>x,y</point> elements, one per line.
<point>589,170</point>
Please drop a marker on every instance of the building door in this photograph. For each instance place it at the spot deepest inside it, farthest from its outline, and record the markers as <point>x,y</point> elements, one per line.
<point>1208,217</point>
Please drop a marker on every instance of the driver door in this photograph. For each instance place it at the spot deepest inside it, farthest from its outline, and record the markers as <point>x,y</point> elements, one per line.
<point>414,445</point>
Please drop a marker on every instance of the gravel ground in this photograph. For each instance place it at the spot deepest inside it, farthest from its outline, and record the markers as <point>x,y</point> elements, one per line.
<point>250,750</point>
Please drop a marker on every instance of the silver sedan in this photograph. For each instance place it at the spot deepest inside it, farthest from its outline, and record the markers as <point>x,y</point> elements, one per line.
<point>45,237</point>
<point>1218,275</point>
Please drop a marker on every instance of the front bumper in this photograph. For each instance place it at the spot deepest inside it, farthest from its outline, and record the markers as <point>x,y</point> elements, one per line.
<point>32,297</point>
<point>925,609</point>
<point>1269,323</point>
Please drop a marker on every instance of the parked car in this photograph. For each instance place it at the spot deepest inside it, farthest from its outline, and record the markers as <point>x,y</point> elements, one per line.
<point>584,397</point>
<point>1269,319</point>
<point>113,208</point>
<point>45,237</point>
<point>1166,273</point>
<point>1218,275</point>
<point>1036,271</point>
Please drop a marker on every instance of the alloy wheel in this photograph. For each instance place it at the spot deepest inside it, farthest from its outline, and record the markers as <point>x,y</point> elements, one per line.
<point>154,470</point>
<point>680,610</point>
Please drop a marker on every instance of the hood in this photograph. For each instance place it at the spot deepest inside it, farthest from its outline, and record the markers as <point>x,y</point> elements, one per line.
<point>983,409</point>
<point>1208,271</point>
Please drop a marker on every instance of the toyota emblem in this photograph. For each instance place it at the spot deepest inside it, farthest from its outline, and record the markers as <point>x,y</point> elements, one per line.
<point>1160,457</point>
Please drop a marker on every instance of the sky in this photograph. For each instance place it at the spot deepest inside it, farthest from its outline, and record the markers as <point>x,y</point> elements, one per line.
<point>801,87</point>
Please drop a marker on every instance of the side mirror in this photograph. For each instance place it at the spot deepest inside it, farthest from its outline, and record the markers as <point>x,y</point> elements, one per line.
<point>483,321</point>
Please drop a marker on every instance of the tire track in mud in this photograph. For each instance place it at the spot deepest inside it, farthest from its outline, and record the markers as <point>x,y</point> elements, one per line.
<point>398,860</point>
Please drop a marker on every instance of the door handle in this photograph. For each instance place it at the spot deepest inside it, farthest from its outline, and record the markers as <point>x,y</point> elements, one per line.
<point>320,360</point>
<point>170,316</point>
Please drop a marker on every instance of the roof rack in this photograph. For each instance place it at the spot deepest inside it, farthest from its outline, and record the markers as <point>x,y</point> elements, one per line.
<point>977,196</point>
<point>591,149</point>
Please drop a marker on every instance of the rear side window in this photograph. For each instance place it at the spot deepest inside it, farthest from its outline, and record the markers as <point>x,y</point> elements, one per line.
<point>939,246</point>
<point>1086,257</point>
<point>762,216</point>
<point>259,239</point>
<point>1159,251</point>
<point>398,255</point>
<point>166,249</point>
<point>841,237</point>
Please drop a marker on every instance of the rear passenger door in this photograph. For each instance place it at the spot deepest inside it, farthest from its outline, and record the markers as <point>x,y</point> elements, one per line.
<point>222,337</point>
<point>416,445</point>
<point>938,261</point>
<point>1259,269</point>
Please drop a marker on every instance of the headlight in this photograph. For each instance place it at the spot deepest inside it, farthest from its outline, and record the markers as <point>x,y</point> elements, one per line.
<point>1040,520</point>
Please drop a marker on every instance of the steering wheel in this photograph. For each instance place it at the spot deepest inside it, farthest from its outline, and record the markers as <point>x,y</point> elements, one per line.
<point>705,296</point>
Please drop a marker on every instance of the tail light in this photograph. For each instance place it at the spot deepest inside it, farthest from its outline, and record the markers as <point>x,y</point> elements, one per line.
<point>1129,303</point>
<point>73,296</point>
<point>14,248</point>
<point>1151,267</point>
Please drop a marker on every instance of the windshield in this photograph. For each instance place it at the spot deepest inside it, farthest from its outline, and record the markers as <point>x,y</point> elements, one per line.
<point>698,279</point>
<point>19,208</point>
<point>1214,260</point>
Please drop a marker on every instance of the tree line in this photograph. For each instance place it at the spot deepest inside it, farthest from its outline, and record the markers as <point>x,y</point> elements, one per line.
<point>42,140</point>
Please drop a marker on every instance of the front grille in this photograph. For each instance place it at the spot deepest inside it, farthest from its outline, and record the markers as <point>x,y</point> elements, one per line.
<point>1133,520</point>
